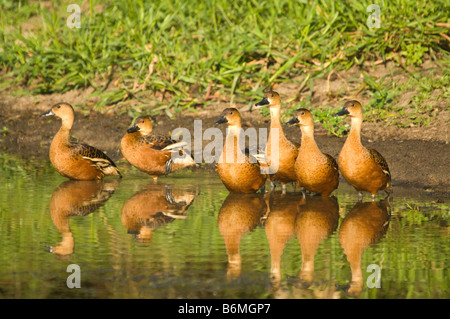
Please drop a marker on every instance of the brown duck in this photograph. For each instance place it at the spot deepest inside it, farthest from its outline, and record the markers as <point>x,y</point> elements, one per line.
<point>239,171</point>
<point>76,160</point>
<point>150,153</point>
<point>316,172</point>
<point>363,168</point>
<point>288,150</point>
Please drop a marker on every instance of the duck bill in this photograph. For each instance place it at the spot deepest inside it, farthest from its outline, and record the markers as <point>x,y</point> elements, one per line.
<point>293,121</point>
<point>133,129</point>
<point>221,120</point>
<point>344,111</point>
<point>49,113</point>
<point>261,103</point>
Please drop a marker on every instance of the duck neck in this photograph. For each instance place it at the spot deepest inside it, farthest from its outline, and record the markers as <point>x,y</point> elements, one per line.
<point>354,136</point>
<point>275,123</point>
<point>275,113</point>
<point>308,141</point>
<point>64,132</point>
<point>233,134</point>
<point>231,147</point>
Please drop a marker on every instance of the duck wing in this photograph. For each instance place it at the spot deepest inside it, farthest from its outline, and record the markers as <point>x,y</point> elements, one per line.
<point>97,157</point>
<point>379,159</point>
<point>158,142</point>
<point>332,161</point>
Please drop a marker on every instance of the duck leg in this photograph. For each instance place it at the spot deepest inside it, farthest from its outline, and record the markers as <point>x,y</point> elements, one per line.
<point>360,196</point>
<point>168,167</point>
<point>272,186</point>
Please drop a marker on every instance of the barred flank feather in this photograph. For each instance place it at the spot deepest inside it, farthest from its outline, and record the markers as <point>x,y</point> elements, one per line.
<point>106,166</point>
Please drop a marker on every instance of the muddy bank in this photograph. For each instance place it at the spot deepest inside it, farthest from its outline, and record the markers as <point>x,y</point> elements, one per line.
<point>417,162</point>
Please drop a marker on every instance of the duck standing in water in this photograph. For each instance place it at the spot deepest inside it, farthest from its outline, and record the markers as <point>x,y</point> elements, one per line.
<point>288,151</point>
<point>238,171</point>
<point>150,153</point>
<point>363,168</point>
<point>76,160</point>
<point>316,172</point>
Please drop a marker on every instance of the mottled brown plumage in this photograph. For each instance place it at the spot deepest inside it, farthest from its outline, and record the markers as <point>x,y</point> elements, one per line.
<point>287,150</point>
<point>238,171</point>
<point>316,172</point>
<point>146,151</point>
<point>76,160</point>
<point>365,169</point>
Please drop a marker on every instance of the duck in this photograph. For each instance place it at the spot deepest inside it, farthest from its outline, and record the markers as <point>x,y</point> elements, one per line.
<point>288,150</point>
<point>75,160</point>
<point>153,154</point>
<point>317,172</point>
<point>242,173</point>
<point>363,168</point>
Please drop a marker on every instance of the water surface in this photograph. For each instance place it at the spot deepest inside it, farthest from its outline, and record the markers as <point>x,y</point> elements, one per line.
<point>187,237</point>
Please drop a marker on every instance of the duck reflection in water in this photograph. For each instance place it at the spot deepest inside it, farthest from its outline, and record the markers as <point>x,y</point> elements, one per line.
<point>365,224</point>
<point>76,198</point>
<point>240,213</point>
<point>156,205</point>
<point>317,219</point>
<point>280,226</point>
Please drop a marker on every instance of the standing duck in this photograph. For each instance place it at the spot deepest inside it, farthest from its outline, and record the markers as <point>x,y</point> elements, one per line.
<point>241,173</point>
<point>151,153</point>
<point>316,172</point>
<point>76,160</point>
<point>288,150</point>
<point>363,168</point>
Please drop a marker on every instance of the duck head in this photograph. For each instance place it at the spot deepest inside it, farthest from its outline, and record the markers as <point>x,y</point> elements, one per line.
<point>62,110</point>
<point>351,108</point>
<point>230,116</point>
<point>143,125</point>
<point>301,117</point>
<point>271,98</point>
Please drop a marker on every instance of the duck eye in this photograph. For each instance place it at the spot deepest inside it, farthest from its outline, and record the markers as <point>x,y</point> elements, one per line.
<point>302,113</point>
<point>231,112</point>
<point>59,106</point>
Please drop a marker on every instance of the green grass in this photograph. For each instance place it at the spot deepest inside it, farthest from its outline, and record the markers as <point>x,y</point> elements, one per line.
<point>183,50</point>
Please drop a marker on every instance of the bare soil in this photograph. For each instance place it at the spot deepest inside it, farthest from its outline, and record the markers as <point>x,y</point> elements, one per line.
<point>417,156</point>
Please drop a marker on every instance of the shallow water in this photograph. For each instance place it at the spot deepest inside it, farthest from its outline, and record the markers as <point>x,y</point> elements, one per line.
<point>187,237</point>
